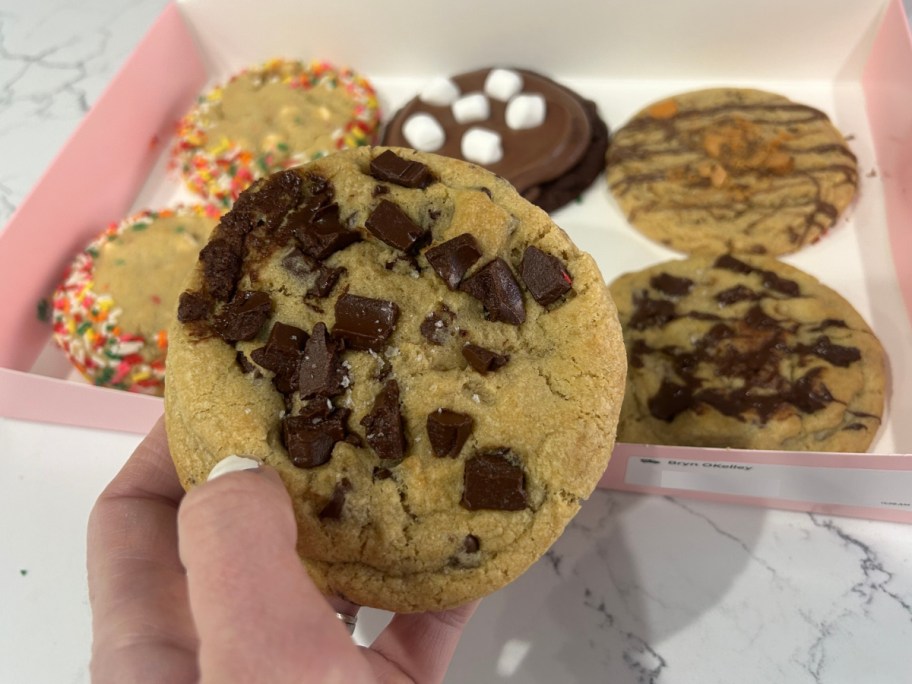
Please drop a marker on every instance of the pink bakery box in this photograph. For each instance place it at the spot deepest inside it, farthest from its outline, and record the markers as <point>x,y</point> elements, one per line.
<point>852,59</point>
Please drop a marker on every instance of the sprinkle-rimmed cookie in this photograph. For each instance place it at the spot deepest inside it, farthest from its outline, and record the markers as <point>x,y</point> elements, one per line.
<point>118,297</point>
<point>731,170</point>
<point>431,365</point>
<point>269,118</point>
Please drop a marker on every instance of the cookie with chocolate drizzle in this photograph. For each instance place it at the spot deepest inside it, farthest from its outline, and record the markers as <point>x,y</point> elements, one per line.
<point>430,364</point>
<point>544,138</point>
<point>731,170</point>
<point>749,353</point>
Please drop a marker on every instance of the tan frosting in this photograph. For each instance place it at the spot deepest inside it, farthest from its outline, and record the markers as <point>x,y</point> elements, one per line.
<point>272,116</point>
<point>144,270</point>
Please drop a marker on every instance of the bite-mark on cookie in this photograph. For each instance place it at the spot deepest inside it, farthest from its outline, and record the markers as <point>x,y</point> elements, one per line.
<point>439,413</point>
<point>746,352</point>
<point>731,170</point>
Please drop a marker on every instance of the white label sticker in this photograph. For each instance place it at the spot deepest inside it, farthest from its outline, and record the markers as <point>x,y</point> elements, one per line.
<point>841,486</point>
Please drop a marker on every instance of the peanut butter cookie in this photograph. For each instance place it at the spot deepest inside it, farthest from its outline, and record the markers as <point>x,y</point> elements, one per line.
<point>731,170</point>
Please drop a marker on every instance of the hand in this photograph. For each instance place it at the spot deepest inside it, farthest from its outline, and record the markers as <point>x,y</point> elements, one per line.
<point>208,587</point>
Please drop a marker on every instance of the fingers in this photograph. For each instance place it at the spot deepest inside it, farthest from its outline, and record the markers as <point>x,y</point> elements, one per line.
<point>421,645</point>
<point>258,615</point>
<point>142,628</point>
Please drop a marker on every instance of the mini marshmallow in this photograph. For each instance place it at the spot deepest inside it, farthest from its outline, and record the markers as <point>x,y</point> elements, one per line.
<point>526,111</point>
<point>502,84</point>
<point>481,146</point>
<point>472,107</point>
<point>440,92</point>
<point>423,132</point>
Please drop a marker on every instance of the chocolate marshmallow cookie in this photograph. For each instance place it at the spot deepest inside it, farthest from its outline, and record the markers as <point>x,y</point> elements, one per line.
<point>431,365</point>
<point>746,353</point>
<point>541,136</point>
<point>731,170</point>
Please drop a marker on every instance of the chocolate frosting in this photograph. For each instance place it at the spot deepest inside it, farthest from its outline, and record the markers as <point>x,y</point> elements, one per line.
<point>530,156</point>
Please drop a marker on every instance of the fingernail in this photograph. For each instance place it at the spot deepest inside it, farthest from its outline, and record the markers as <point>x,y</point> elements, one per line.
<point>232,464</point>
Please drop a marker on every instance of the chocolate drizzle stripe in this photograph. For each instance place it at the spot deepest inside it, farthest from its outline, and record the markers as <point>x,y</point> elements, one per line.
<point>644,121</point>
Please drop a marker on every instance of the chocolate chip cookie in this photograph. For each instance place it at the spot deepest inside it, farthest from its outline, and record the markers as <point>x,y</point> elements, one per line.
<point>432,366</point>
<point>544,138</point>
<point>746,352</point>
<point>731,170</point>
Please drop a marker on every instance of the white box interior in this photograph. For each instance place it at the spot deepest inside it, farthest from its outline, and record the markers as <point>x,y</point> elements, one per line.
<point>623,56</point>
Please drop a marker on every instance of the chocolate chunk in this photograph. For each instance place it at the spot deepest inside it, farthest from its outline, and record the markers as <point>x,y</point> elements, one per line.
<point>836,354</point>
<point>193,306</point>
<point>451,259</point>
<point>221,268</point>
<point>494,480</point>
<point>758,319</point>
<point>651,313</point>
<point>671,285</point>
<point>311,436</point>
<point>267,201</point>
<point>483,360</point>
<point>354,439</point>
<point>435,327</point>
<point>333,508</point>
<point>325,281</point>
<point>782,285</point>
<point>320,277</point>
<point>364,323</point>
<point>287,338</point>
<point>244,364</point>
<point>730,263</point>
<point>718,332</point>
<point>243,316</point>
<point>809,394</point>
<point>318,228</point>
<point>770,280</point>
<point>495,287</point>
<point>390,167</point>
<point>448,431</point>
<point>544,275</point>
<point>738,293</point>
<point>393,226</point>
<point>670,400</point>
<point>321,372</point>
<point>471,544</point>
<point>300,264</point>
<point>281,355</point>
<point>385,428</point>
<point>381,473</point>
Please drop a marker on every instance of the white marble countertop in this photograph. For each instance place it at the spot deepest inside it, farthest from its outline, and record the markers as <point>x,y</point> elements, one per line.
<point>639,589</point>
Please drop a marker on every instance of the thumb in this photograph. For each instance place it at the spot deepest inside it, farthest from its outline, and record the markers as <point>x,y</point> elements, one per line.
<point>258,615</point>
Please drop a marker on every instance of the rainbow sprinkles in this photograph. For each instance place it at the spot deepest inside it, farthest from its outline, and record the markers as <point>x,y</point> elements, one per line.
<point>89,320</point>
<point>266,119</point>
